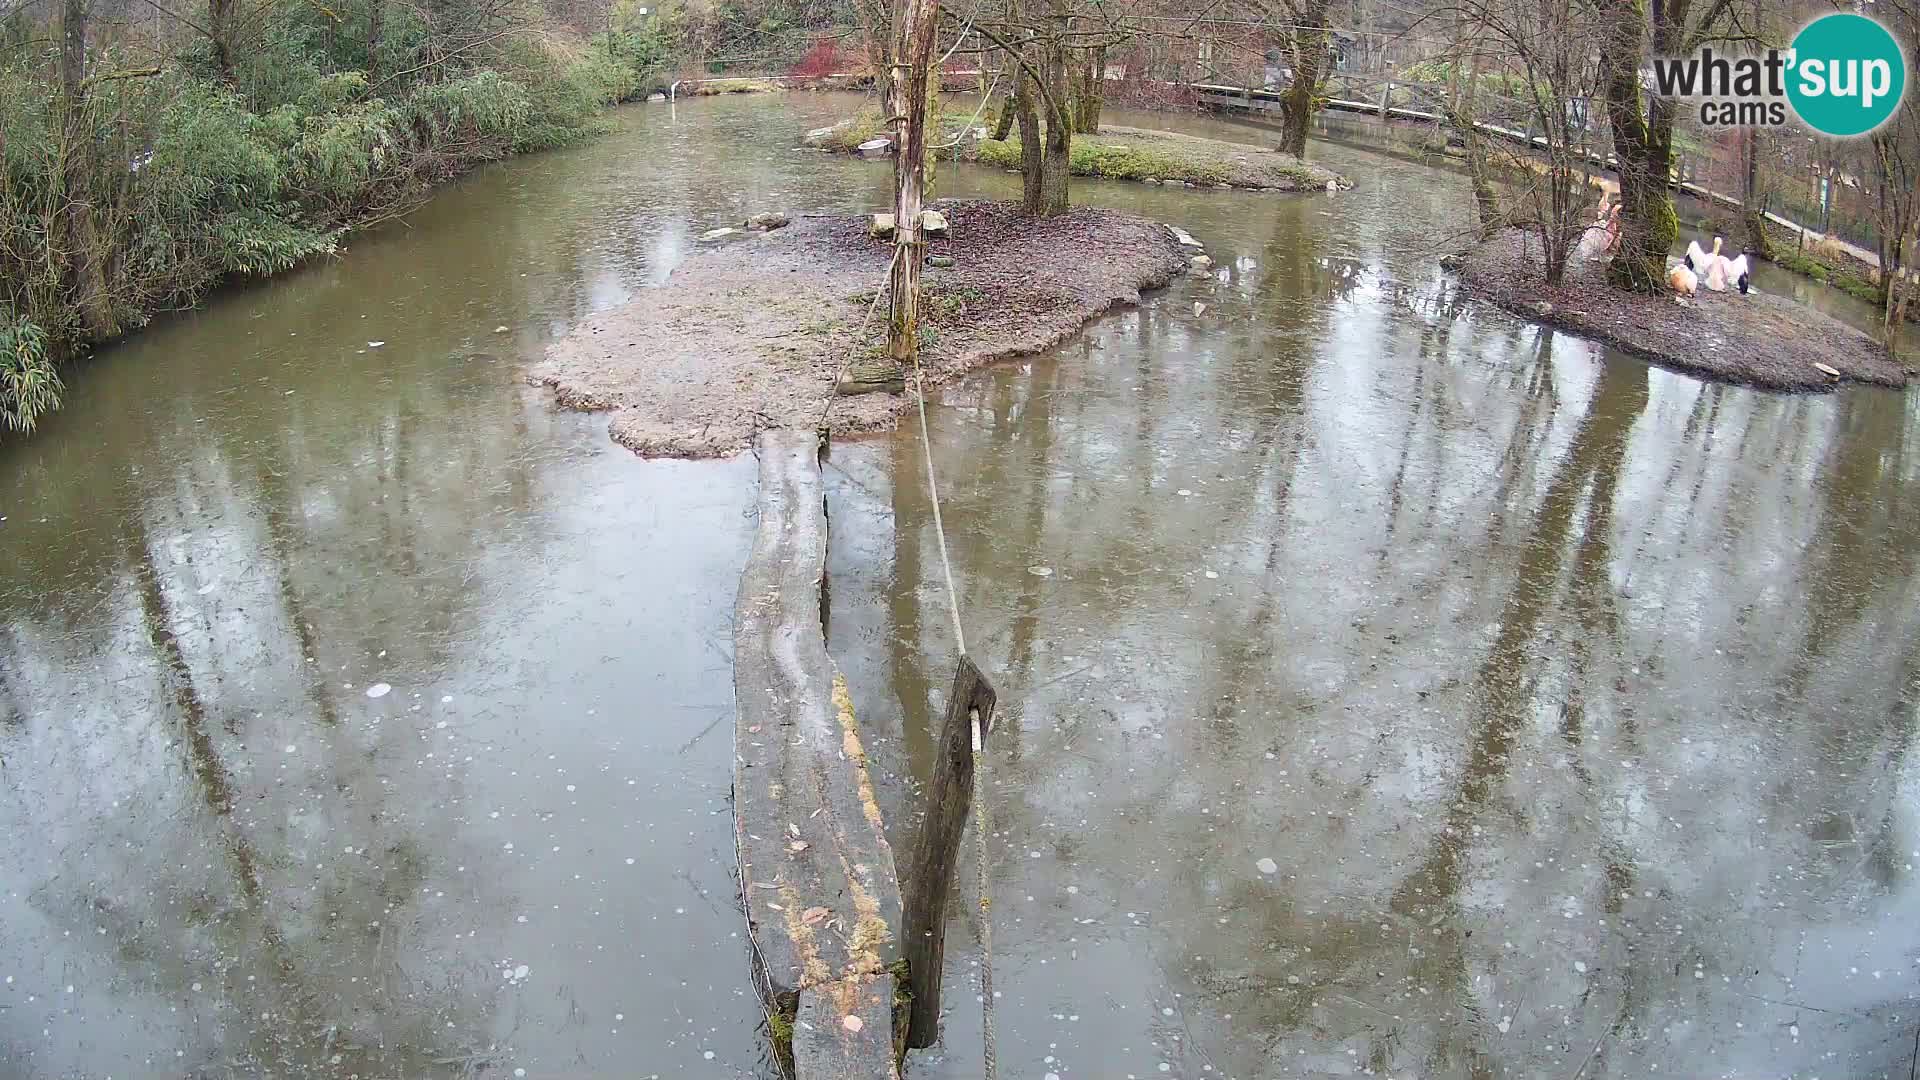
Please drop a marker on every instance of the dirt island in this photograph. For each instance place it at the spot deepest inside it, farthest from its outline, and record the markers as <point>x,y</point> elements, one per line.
<point>754,331</point>
<point>1757,339</point>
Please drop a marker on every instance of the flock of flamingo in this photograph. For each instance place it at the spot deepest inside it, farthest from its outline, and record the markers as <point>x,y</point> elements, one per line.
<point>1699,267</point>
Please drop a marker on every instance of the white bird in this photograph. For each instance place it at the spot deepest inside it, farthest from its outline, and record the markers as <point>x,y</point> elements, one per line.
<point>1714,274</point>
<point>1739,274</point>
<point>1696,256</point>
<point>1682,280</point>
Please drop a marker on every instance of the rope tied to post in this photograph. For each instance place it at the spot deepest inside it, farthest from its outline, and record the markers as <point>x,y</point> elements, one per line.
<point>978,726</point>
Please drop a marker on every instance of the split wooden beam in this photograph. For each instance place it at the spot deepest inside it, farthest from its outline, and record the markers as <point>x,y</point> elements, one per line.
<point>817,878</point>
<point>937,853</point>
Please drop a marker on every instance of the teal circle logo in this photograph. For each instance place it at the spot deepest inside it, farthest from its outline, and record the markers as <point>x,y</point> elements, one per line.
<point>1848,75</point>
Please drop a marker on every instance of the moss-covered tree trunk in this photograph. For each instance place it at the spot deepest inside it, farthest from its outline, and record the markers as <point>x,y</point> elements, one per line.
<point>1003,119</point>
<point>1896,199</point>
<point>1089,89</point>
<point>1643,147</point>
<point>1028,114</point>
<point>1046,128</point>
<point>1059,141</point>
<point>1753,201</point>
<point>1465,95</point>
<point>1309,37</point>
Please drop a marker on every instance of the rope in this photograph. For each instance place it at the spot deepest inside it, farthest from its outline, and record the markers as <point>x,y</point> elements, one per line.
<point>845,362</point>
<point>962,137</point>
<point>939,529</point>
<point>990,1045</point>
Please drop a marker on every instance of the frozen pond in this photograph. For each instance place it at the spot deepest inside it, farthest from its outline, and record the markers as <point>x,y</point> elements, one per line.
<point>1387,687</point>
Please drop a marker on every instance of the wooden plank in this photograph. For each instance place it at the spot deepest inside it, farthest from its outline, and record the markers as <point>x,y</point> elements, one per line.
<point>817,877</point>
<point>844,1031</point>
<point>937,853</point>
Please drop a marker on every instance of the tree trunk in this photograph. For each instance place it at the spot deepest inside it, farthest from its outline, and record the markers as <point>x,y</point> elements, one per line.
<point>1753,202</point>
<point>1892,220</point>
<point>1003,120</point>
<point>913,57</point>
<point>220,36</point>
<point>1309,52</point>
<point>1089,88</point>
<point>73,51</point>
<point>376,38</point>
<point>1644,151</point>
<point>1030,149</point>
<point>1003,117</point>
<point>1465,120</point>
<point>1059,136</point>
<point>85,269</point>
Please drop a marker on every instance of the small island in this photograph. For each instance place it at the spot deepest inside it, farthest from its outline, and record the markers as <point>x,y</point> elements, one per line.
<point>1114,153</point>
<point>1756,339</point>
<point>756,331</point>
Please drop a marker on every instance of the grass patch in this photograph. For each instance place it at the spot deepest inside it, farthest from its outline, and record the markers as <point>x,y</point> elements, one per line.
<point>1807,266</point>
<point>716,87</point>
<point>1132,154</point>
<point>780,1030</point>
<point>1113,162</point>
<point>868,123</point>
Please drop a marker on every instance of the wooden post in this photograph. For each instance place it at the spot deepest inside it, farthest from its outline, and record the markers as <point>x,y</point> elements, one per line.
<point>914,24</point>
<point>936,854</point>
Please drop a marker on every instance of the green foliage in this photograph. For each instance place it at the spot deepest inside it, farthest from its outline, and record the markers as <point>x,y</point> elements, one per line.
<point>160,186</point>
<point>483,108</point>
<point>336,157</point>
<point>1121,162</point>
<point>261,242</point>
<point>1846,281</point>
<point>29,385</point>
<point>209,152</point>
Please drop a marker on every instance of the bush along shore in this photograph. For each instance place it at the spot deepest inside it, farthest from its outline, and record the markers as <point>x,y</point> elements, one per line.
<point>128,190</point>
<point>1114,153</point>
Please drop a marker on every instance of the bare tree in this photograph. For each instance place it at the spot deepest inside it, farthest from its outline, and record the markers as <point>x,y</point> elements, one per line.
<point>1642,124</point>
<point>1037,36</point>
<point>1542,51</point>
<point>1307,36</point>
<point>1896,151</point>
<point>907,81</point>
<point>1463,115</point>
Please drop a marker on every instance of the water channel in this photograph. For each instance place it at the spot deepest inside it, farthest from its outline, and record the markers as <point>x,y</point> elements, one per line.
<point>1390,687</point>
